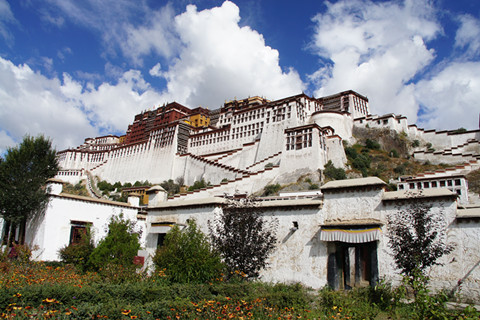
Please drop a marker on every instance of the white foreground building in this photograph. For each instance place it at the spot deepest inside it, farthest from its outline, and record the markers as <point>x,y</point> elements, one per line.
<point>340,239</point>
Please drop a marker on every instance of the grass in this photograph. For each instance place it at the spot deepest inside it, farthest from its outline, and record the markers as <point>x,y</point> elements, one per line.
<point>43,291</point>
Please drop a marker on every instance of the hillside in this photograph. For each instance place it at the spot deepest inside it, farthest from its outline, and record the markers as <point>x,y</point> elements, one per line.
<point>377,152</point>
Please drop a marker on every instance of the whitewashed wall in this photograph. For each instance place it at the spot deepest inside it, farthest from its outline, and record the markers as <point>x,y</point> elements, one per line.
<point>50,230</point>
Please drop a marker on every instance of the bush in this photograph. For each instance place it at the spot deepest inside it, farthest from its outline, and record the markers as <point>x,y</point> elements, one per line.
<point>333,173</point>
<point>78,254</point>
<point>362,163</point>
<point>187,257</point>
<point>351,153</point>
<point>119,247</point>
<point>271,189</point>
<point>198,185</point>
<point>394,153</point>
<point>415,143</point>
<point>400,169</point>
<point>372,144</point>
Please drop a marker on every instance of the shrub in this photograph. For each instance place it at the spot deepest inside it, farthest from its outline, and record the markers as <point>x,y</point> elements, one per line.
<point>333,173</point>
<point>415,143</point>
<point>394,153</point>
<point>187,256</point>
<point>119,247</point>
<point>78,254</point>
<point>313,186</point>
<point>271,189</point>
<point>362,163</point>
<point>400,169</point>
<point>372,144</point>
<point>351,152</point>
<point>198,185</point>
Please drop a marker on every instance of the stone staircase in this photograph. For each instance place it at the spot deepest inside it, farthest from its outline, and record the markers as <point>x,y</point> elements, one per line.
<point>251,181</point>
<point>90,186</point>
<point>461,153</point>
<point>264,160</point>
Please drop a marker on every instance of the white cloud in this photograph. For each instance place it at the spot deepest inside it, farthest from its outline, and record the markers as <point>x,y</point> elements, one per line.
<point>221,60</point>
<point>451,97</point>
<point>65,110</point>
<point>155,36</point>
<point>375,49</point>
<point>6,17</point>
<point>468,35</point>
<point>156,70</point>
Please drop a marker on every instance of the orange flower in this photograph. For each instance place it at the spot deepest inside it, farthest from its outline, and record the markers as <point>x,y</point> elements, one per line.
<point>126,312</point>
<point>133,317</point>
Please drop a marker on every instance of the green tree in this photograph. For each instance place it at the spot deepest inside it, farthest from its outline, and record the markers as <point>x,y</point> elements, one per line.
<point>120,245</point>
<point>23,175</point>
<point>243,237</point>
<point>417,236</point>
<point>171,187</point>
<point>187,256</point>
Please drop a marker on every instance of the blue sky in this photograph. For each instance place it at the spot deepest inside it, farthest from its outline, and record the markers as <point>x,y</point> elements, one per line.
<point>73,69</point>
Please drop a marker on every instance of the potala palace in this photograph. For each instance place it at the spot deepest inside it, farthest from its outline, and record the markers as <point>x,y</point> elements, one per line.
<point>333,236</point>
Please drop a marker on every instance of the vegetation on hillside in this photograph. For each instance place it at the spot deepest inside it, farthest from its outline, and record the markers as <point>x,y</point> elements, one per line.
<point>78,189</point>
<point>385,154</point>
<point>474,181</point>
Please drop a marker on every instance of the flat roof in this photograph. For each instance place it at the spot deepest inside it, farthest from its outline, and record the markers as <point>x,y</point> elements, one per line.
<point>89,199</point>
<point>468,213</point>
<point>418,194</point>
<point>171,204</point>
<point>352,183</point>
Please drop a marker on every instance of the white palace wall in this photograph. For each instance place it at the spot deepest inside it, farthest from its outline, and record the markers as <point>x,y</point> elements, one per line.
<point>300,254</point>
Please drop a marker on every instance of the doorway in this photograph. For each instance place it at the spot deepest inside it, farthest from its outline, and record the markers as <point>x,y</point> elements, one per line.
<point>352,265</point>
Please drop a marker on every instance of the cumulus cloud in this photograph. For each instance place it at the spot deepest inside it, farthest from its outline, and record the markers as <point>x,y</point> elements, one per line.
<point>375,49</point>
<point>220,60</point>
<point>208,56</point>
<point>451,96</point>
<point>64,109</point>
<point>155,36</point>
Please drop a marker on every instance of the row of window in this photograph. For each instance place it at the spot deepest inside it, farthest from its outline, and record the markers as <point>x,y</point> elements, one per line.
<point>432,184</point>
<point>299,139</point>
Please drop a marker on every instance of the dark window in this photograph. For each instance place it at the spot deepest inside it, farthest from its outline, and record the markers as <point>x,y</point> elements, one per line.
<point>78,229</point>
<point>457,182</point>
<point>161,239</point>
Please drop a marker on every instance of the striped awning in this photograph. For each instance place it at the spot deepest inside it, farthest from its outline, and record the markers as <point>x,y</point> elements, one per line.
<point>350,234</point>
